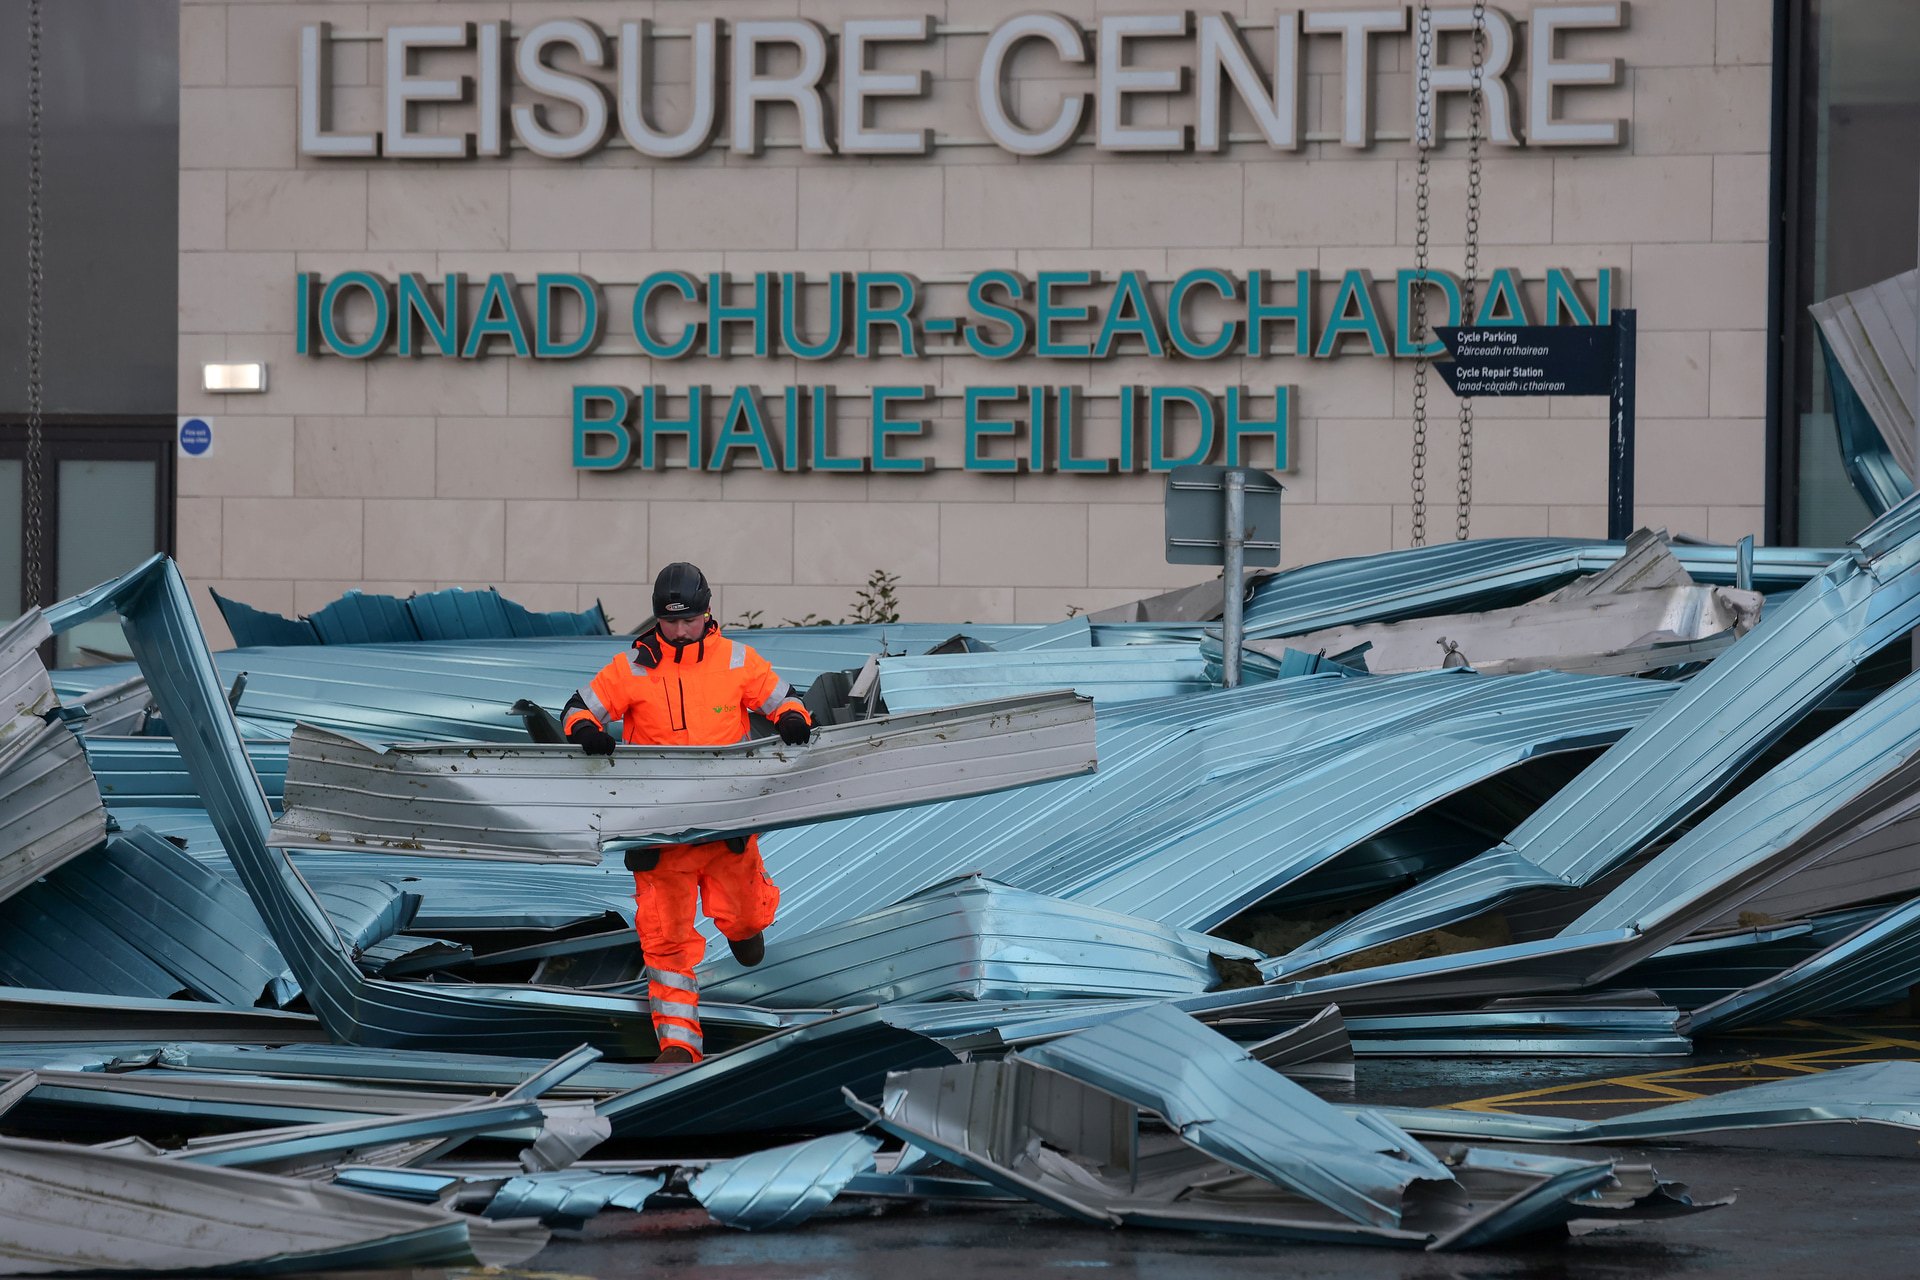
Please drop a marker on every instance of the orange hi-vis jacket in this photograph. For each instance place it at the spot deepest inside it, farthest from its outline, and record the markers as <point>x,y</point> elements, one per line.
<point>699,695</point>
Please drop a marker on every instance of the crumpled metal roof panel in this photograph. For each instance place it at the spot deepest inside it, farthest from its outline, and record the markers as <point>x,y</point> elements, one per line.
<point>1121,673</point>
<point>1878,963</point>
<point>976,940</point>
<point>1684,753</point>
<point>1244,1113</point>
<point>1485,573</point>
<point>73,1208</point>
<point>783,1186</point>
<point>50,807</point>
<point>547,802</point>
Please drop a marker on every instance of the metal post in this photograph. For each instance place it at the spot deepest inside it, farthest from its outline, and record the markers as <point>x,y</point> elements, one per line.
<point>1620,428</point>
<point>1233,576</point>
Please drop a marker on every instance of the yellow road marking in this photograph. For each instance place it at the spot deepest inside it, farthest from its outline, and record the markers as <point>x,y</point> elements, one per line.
<point>1846,1047</point>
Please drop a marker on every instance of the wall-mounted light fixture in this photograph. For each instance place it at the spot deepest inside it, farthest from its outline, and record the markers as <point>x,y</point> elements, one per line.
<point>233,377</point>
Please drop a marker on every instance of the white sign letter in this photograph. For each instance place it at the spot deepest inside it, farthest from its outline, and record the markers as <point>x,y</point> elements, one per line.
<point>1544,75</point>
<point>859,82</point>
<point>1118,81</point>
<point>405,89</point>
<point>1275,111</point>
<point>1355,27</point>
<point>529,121</point>
<point>990,86</point>
<point>802,88</point>
<point>1498,60</point>
<point>636,52</point>
<point>316,100</point>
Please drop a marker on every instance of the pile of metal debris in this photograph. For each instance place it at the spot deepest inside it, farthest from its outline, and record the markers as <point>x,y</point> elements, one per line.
<point>321,955</point>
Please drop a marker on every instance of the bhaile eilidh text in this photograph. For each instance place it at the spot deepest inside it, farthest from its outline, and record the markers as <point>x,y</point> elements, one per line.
<point>832,324</point>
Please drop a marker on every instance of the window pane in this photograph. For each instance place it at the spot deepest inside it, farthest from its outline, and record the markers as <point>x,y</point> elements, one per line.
<point>106,528</point>
<point>12,500</point>
<point>1861,119</point>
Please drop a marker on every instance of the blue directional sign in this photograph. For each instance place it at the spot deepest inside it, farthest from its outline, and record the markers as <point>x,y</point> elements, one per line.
<point>1529,360</point>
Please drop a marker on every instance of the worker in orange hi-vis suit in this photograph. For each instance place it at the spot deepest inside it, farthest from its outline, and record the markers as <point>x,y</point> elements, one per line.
<point>684,684</point>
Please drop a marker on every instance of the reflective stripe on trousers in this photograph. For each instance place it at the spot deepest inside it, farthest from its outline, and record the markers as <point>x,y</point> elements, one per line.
<point>674,999</point>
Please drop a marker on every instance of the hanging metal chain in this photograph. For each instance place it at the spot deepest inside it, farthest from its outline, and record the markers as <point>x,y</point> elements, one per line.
<point>1422,246</point>
<point>1476,119</point>
<point>34,552</point>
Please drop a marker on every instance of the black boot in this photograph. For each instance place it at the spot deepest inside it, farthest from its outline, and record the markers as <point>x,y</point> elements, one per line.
<point>674,1053</point>
<point>749,951</point>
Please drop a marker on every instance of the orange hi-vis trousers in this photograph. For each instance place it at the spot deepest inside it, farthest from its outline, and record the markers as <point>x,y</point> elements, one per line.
<point>737,896</point>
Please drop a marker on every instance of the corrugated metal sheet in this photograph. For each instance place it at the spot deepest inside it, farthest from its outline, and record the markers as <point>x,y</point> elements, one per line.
<point>1206,803</point>
<point>31,1015</point>
<point>165,637</point>
<point>540,802</point>
<point>1871,335</point>
<point>1244,1114</point>
<point>791,1082</point>
<point>1081,1151</point>
<point>141,773</point>
<point>138,917</point>
<point>1540,635</point>
<point>1486,573</point>
<point>1878,963</point>
<point>399,1140</point>
<point>1886,1093</point>
<point>1125,673</point>
<point>1230,839</point>
<point>50,808</point>
<point>974,940</point>
<point>1860,774</point>
<point>569,1197</point>
<point>783,1186</point>
<point>1682,755</point>
<point>70,1208</point>
<point>460,691</point>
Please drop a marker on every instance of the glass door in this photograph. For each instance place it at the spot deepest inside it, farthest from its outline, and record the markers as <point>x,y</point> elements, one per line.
<point>108,505</point>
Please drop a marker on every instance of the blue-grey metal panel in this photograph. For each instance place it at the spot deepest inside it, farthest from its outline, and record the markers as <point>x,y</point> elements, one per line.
<point>165,637</point>
<point>50,809</point>
<point>139,773</point>
<point>1879,963</point>
<point>1121,674</point>
<point>569,1197</point>
<point>783,1186</point>
<point>1485,573</point>
<point>459,691</point>
<point>73,1208</point>
<point>1845,778</point>
<point>792,1081</point>
<point>458,614</point>
<point>546,802</point>
<point>359,618</point>
<point>1682,755</point>
<point>37,1015</point>
<point>303,1147</point>
<point>1244,1113</point>
<point>975,940</point>
<point>1886,1093</point>
<point>141,892</point>
<point>399,1068</point>
<point>1231,838</point>
<point>250,626</point>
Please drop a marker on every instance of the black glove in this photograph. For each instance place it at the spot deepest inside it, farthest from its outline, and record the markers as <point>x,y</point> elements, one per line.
<point>647,651</point>
<point>639,860</point>
<point>793,728</point>
<point>591,738</point>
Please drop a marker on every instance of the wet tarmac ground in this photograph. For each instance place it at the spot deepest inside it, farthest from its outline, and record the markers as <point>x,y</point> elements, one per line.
<point>1833,1202</point>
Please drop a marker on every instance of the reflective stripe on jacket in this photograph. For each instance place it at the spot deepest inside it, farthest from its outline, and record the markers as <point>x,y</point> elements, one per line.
<point>700,696</point>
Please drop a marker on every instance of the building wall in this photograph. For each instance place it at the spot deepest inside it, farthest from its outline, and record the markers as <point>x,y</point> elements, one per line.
<point>399,475</point>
